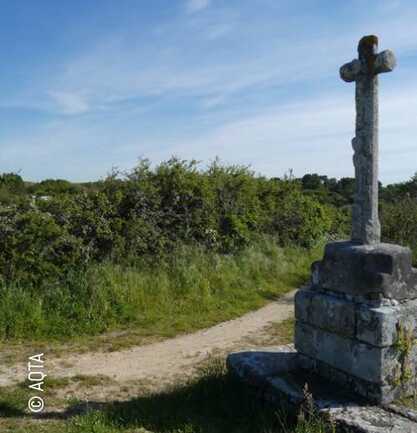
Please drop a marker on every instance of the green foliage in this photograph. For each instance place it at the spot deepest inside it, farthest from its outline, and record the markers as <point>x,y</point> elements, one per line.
<point>148,213</point>
<point>35,248</point>
<point>312,181</point>
<point>148,247</point>
<point>12,188</point>
<point>12,181</point>
<point>399,222</point>
<point>392,193</point>
<point>403,346</point>
<point>60,239</point>
<point>329,190</point>
<point>189,289</point>
<point>301,220</point>
<point>212,402</point>
<point>54,186</point>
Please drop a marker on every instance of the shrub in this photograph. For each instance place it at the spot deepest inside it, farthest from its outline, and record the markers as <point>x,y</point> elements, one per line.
<point>399,223</point>
<point>299,219</point>
<point>35,248</point>
<point>149,213</point>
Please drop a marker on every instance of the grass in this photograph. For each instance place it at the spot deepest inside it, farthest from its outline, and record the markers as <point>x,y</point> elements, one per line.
<point>276,333</point>
<point>191,290</point>
<point>281,332</point>
<point>211,403</point>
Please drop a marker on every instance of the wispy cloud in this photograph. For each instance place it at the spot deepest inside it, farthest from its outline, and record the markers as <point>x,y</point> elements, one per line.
<point>312,135</point>
<point>114,72</point>
<point>69,103</point>
<point>226,82</point>
<point>129,65</point>
<point>193,6</point>
<point>219,30</point>
<point>117,69</point>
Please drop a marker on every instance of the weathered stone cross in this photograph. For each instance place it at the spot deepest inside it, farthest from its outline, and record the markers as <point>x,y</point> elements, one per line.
<point>364,71</point>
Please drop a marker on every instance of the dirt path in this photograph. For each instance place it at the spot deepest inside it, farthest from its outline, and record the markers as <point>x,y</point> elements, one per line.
<point>163,362</point>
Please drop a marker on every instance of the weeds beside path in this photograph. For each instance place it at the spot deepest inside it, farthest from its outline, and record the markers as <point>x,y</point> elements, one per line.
<point>152,376</point>
<point>162,363</point>
<point>190,290</point>
<point>138,368</point>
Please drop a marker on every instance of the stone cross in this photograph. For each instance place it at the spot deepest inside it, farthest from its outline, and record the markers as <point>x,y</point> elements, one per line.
<point>364,71</point>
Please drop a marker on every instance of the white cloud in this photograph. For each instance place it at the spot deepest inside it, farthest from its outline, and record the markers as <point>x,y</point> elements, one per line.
<point>311,136</point>
<point>183,63</point>
<point>129,65</point>
<point>172,63</point>
<point>114,72</point>
<point>212,102</point>
<point>219,30</point>
<point>69,103</point>
<point>193,6</point>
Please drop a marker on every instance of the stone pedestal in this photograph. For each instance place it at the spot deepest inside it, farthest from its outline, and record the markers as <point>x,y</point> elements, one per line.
<point>356,323</point>
<point>355,349</point>
<point>275,375</point>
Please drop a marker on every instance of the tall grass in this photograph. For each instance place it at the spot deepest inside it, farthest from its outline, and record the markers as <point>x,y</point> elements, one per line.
<point>190,289</point>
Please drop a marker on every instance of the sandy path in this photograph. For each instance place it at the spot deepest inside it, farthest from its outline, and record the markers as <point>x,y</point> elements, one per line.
<point>166,360</point>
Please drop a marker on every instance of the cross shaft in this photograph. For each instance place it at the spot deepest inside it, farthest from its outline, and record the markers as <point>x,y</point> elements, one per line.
<point>364,72</point>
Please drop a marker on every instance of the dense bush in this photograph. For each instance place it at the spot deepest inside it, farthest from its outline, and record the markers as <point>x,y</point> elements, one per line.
<point>66,250</point>
<point>399,222</point>
<point>46,229</point>
<point>54,186</point>
<point>35,248</point>
<point>149,212</point>
<point>12,182</point>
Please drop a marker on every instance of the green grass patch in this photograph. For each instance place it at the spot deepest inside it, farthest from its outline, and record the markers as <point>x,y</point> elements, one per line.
<point>282,332</point>
<point>13,401</point>
<point>192,289</point>
<point>212,402</point>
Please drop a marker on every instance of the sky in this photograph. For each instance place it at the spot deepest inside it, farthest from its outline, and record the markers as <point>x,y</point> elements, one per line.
<point>88,85</point>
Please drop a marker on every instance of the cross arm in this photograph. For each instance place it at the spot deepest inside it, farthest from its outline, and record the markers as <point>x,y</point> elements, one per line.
<point>385,62</point>
<point>350,71</point>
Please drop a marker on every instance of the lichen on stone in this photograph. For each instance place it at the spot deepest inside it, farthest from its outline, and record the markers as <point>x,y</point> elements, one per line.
<point>403,345</point>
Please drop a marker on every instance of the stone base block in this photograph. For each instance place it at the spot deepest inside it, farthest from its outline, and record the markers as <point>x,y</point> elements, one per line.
<point>277,375</point>
<point>369,272</point>
<point>375,393</point>
<point>371,350</point>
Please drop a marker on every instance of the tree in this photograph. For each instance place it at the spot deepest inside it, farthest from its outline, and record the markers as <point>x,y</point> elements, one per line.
<point>312,181</point>
<point>12,181</point>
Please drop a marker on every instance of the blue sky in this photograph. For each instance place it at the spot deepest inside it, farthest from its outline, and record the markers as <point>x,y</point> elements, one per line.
<point>86,85</point>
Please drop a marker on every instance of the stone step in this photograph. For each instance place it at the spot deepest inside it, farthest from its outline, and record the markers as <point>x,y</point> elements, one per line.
<point>274,374</point>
